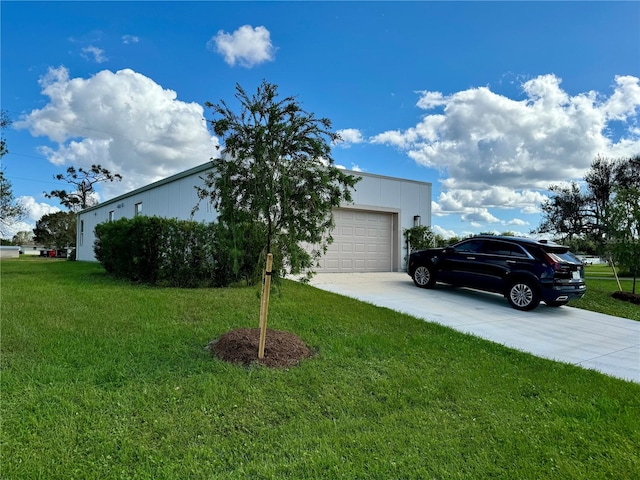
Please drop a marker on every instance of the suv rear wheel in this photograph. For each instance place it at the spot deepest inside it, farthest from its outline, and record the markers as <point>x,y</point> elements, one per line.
<point>423,277</point>
<point>522,295</point>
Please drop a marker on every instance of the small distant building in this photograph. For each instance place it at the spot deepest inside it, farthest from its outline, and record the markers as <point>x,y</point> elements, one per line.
<point>367,234</point>
<point>32,249</point>
<point>591,259</point>
<point>7,251</point>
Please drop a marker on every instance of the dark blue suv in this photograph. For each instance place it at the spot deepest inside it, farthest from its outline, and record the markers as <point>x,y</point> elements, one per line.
<point>522,269</point>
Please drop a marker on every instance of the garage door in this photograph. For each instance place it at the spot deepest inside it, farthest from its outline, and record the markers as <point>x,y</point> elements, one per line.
<point>362,242</point>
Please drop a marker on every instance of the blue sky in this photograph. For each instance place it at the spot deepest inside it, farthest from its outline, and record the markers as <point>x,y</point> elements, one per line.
<point>491,102</point>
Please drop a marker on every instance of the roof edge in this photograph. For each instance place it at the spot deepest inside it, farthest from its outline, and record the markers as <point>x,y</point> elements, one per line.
<point>206,166</point>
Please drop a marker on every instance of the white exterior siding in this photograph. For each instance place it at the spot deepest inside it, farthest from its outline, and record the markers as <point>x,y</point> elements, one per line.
<point>173,197</point>
<point>387,205</point>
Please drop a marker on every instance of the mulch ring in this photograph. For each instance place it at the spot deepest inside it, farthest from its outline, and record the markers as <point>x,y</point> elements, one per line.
<point>281,349</point>
<point>627,297</point>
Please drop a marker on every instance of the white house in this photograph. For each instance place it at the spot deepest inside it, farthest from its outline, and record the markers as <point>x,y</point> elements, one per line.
<point>32,249</point>
<point>367,235</point>
<point>7,251</point>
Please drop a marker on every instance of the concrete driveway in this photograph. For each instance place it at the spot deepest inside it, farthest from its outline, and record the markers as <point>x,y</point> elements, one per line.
<point>608,344</point>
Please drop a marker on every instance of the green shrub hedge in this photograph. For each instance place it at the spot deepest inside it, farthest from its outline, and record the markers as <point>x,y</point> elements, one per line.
<point>177,253</point>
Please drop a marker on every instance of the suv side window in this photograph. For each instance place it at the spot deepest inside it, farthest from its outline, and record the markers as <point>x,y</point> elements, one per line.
<point>518,251</point>
<point>504,249</point>
<point>471,246</point>
<point>496,248</point>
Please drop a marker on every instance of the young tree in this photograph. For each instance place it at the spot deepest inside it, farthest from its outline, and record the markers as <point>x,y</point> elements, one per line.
<point>624,225</point>
<point>11,211</point>
<point>56,230</point>
<point>277,175</point>
<point>624,237</point>
<point>84,182</point>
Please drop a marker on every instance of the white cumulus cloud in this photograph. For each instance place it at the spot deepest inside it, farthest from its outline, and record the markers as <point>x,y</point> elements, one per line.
<point>349,136</point>
<point>94,53</point>
<point>123,121</point>
<point>247,46</point>
<point>516,221</point>
<point>478,216</point>
<point>128,39</point>
<point>496,196</point>
<point>443,232</point>
<point>496,152</point>
<point>35,210</point>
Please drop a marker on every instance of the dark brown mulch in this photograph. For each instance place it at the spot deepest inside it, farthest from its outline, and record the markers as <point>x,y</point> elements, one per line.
<point>627,297</point>
<point>281,349</point>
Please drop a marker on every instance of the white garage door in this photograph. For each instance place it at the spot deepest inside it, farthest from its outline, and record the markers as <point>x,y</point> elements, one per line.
<point>362,242</point>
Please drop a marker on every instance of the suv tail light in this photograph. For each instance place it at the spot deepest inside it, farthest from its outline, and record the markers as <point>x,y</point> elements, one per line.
<point>552,260</point>
<point>562,270</point>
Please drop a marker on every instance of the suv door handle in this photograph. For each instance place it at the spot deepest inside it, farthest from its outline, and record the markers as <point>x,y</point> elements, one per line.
<point>511,261</point>
<point>471,258</point>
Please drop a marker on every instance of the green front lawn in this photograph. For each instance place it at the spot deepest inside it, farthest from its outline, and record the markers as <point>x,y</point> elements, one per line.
<point>103,379</point>
<point>601,283</point>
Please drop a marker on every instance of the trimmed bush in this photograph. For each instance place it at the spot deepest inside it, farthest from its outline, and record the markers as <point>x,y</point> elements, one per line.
<point>160,251</point>
<point>182,253</point>
<point>189,255</point>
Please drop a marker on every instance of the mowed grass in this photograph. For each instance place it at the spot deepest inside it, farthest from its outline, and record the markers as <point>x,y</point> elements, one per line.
<point>106,380</point>
<point>601,283</point>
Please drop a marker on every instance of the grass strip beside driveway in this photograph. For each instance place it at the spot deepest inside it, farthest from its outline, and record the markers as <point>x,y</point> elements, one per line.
<point>103,379</point>
<point>601,283</point>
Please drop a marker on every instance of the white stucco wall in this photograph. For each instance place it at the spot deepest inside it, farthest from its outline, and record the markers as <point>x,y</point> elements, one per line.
<point>411,198</point>
<point>176,196</point>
